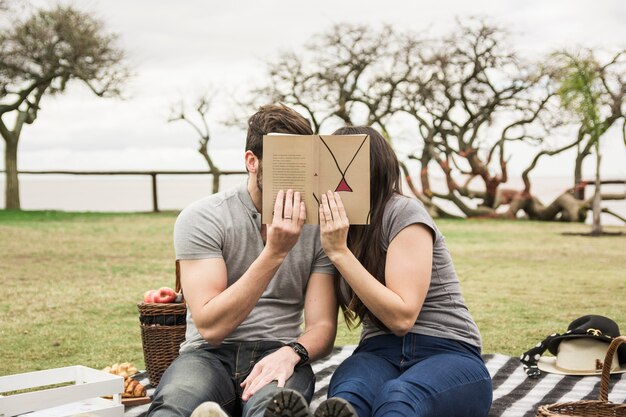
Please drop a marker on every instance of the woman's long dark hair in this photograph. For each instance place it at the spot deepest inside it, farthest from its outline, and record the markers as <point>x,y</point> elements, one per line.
<point>365,241</point>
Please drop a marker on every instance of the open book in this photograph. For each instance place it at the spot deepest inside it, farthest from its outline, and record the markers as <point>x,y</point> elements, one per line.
<point>315,164</point>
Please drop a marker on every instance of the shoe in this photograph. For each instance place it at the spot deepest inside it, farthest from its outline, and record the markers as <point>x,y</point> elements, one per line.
<point>335,407</point>
<point>287,403</point>
<point>209,409</point>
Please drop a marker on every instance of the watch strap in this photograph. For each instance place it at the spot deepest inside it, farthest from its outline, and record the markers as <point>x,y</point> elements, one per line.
<point>301,351</point>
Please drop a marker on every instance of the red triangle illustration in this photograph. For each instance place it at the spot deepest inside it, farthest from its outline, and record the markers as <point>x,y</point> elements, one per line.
<point>343,186</point>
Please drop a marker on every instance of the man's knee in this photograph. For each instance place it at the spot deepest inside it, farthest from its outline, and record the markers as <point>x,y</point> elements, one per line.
<point>191,380</point>
<point>303,381</point>
<point>258,403</point>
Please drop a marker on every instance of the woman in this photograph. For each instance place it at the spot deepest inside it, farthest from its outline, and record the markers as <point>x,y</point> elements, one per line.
<point>419,353</point>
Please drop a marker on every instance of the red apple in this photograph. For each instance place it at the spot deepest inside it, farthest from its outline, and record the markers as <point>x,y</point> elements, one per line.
<point>164,295</point>
<point>148,296</point>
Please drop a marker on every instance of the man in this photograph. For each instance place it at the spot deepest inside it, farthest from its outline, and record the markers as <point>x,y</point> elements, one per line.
<point>246,285</point>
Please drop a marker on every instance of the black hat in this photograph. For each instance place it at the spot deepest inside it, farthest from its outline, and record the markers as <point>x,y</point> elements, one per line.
<point>594,327</point>
<point>590,327</point>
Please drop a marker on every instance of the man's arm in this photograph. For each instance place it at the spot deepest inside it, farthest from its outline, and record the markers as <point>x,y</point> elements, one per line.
<point>218,310</point>
<point>320,329</point>
<point>320,317</point>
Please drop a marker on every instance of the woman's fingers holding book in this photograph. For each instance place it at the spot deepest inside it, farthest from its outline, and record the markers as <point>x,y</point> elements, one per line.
<point>341,208</point>
<point>337,209</point>
<point>326,210</point>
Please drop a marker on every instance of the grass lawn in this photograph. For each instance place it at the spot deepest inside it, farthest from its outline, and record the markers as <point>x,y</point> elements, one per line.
<point>71,282</point>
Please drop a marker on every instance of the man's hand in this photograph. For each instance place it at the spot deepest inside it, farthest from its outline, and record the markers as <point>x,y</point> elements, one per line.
<point>289,216</point>
<point>277,366</point>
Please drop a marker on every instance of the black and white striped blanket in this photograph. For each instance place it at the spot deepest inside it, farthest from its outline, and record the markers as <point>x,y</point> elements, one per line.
<point>514,394</point>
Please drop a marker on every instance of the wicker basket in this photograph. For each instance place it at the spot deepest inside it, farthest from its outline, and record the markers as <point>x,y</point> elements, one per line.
<point>596,408</point>
<point>162,331</point>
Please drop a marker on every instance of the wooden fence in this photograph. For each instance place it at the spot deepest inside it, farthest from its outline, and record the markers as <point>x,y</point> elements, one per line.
<point>152,174</point>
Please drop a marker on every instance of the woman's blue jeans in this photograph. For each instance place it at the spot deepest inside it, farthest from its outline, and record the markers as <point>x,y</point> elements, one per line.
<point>414,375</point>
<point>214,374</point>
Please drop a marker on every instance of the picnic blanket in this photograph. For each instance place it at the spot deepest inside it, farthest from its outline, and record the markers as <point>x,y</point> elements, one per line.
<point>514,394</point>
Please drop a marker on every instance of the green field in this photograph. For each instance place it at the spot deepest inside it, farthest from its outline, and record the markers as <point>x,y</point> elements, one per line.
<point>71,283</point>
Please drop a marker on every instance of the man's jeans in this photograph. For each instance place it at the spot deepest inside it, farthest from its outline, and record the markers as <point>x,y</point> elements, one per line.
<point>214,374</point>
<point>414,375</point>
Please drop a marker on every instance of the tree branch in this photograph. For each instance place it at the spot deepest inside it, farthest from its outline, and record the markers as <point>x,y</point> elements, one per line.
<point>614,214</point>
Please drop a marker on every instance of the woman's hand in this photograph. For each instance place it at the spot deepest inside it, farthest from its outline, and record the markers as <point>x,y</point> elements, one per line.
<point>334,225</point>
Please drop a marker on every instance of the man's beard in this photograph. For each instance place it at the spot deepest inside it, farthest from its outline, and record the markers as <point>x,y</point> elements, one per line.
<point>259,178</point>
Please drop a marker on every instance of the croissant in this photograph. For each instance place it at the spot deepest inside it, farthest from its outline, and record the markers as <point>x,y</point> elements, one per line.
<point>133,388</point>
<point>124,369</point>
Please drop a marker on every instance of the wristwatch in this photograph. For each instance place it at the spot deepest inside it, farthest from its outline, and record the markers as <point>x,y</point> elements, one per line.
<point>301,351</point>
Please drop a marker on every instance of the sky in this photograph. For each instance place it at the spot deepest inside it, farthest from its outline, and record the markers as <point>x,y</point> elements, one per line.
<point>177,50</point>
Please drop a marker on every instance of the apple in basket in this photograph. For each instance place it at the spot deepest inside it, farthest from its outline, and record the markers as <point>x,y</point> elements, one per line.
<point>162,295</point>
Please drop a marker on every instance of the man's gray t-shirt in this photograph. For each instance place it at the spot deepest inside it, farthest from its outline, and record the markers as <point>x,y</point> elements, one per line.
<point>444,313</point>
<point>227,225</point>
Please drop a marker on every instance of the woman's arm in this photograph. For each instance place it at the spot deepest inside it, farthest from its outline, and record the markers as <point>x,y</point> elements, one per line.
<point>408,267</point>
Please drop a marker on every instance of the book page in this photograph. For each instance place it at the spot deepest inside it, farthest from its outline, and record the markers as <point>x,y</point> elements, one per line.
<point>288,163</point>
<point>344,164</point>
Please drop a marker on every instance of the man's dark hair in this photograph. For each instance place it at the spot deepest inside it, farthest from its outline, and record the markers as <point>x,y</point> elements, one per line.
<point>274,118</point>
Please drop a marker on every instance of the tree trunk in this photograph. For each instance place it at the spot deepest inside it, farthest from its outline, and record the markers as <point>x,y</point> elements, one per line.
<point>215,171</point>
<point>216,180</point>
<point>579,192</point>
<point>565,208</point>
<point>596,228</point>
<point>491,191</point>
<point>12,186</point>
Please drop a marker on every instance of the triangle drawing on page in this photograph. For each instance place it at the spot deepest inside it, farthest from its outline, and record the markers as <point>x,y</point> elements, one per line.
<point>343,186</point>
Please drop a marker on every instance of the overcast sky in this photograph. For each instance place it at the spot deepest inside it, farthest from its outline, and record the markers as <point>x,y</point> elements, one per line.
<point>177,49</point>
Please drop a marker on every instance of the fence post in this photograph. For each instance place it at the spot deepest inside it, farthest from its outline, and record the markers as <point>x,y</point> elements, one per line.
<point>155,199</point>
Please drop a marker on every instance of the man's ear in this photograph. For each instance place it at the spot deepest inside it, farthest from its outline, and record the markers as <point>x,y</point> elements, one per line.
<point>252,162</point>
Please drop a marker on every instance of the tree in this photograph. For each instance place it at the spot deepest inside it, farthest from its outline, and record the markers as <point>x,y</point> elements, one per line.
<point>608,85</point>
<point>471,96</point>
<point>583,86</point>
<point>40,55</point>
<point>202,108</point>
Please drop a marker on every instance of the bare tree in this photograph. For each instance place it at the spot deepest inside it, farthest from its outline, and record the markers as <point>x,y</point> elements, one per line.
<point>201,127</point>
<point>470,96</point>
<point>40,55</point>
